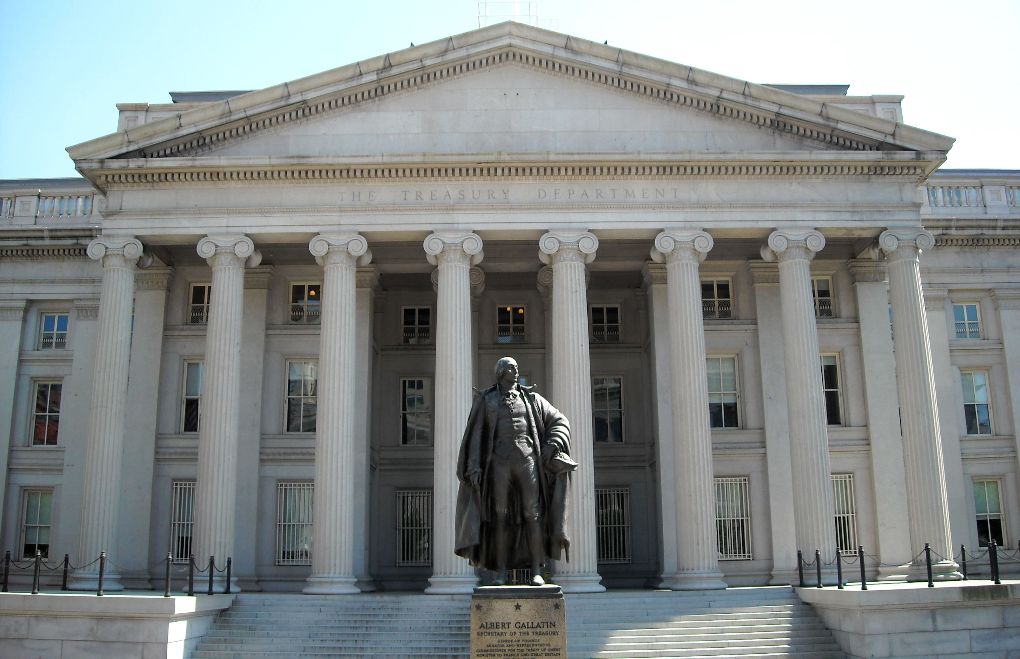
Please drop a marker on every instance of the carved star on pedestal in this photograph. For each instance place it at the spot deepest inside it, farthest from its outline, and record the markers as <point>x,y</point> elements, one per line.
<point>556,606</point>
<point>517,607</point>
<point>478,607</point>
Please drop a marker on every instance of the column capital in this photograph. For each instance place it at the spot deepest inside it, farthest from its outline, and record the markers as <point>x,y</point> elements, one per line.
<point>653,274</point>
<point>367,277</point>
<point>867,271</point>
<point>258,278</point>
<point>934,298</point>
<point>672,245</point>
<point>556,246</point>
<point>125,247</point>
<point>232,247</point>
<point>465,246</point>
<point>764,273</point>
<point>155,279</point>
<point>86,309</point>
<point>340,248</point>
<point>1007,299</point>
<point>12,309</point>
<point>905,243</point>
<point>786,244</point>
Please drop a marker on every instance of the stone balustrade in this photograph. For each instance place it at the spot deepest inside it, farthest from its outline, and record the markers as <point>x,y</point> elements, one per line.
<point>972,193</point>
<point>23,206</point>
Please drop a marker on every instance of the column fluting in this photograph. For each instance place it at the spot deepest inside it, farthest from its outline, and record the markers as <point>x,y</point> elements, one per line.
<point>567,254</point>
<point>697,555</point>
<point>453,254</point>
<point>809,445</point>
<point>333,504</point>
<point>927,508</point>
<point>105,440</point>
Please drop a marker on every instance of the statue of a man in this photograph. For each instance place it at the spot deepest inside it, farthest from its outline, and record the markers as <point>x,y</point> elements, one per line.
<point>514,471</point>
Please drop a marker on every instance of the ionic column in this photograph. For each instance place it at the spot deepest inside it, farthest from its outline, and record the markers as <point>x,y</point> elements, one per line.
<point>335,475</point>
<point>12,312</point>
<point>216,485</point>
<point>693,487</point>
<point>567,254</point>
<point>927,508</point>
<point>809,446</point>
<point>105,444</point>
<point>367,279</point>
<point>1007,301</point>
<point>454,254</point>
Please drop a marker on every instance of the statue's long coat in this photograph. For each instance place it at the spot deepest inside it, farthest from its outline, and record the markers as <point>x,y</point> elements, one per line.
<point>550,434</point>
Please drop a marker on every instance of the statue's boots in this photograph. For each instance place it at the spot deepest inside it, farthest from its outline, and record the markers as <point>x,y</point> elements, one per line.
<point>535,546</point>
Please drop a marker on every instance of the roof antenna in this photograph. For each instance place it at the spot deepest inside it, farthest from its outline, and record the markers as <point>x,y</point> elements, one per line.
<point>519,11</point>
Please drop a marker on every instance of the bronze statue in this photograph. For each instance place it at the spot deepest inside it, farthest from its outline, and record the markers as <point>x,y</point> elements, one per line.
<point>514,470</point>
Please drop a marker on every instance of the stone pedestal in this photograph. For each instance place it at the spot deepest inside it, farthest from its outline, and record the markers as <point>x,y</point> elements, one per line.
<point>518,621</point>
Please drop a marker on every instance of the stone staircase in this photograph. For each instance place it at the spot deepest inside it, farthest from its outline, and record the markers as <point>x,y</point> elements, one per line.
<point>746,622</point>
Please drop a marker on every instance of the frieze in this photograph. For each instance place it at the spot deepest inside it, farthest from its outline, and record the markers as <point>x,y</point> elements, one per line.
<point>86,310</point>
<point>43,252</point>
<point>153,279</point>
<point>12,309</point>
<point>1003,242</point>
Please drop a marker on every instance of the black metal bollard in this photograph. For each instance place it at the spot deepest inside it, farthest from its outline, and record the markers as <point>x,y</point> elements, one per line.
<point>818,569</point>
<point>102,572</point>
<point>839,569</point>
<point>191,575</point>
<point>35,572</point>
<point>800,567</point>
<point>860,562</point>
<point>212,570</point>
<point>166,576</point>
<point>963,561</point>
<point>993,562</point>
<point>226,588</point>
<point>927,563</point>
<point>67,568</point>
<point>7,569</point>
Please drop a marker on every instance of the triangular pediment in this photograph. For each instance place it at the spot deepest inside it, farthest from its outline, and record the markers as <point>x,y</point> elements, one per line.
<point>508,88</point>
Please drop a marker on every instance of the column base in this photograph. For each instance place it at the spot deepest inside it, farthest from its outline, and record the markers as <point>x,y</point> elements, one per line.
<point>784,577</point>
<point>89,582</point>
<point>711,580</point>
<point>893,572</point>
<point>941,571</point>
<point>451,584</point>
<point>579,583</point>
<point>365,584</point>
<point>330,585</point>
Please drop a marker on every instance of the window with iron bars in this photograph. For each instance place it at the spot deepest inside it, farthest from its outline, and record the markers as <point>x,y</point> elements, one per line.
<point>417,325</point>
<point>716,298</point>
<point>733,518</point>
<point>821,290</point>
<point>198,308</point>
<point>182,519</point>
<point>414,528</point>
<point>510,324</point>
<point>967,320</point>
<point>612,524</point>
<point>846,513</point>
<point>305,302</point>
<point>605,323</point>
<point>53,331</point>
<point>294,523</point>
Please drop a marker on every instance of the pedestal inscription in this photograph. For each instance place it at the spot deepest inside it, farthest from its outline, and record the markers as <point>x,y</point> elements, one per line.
<point>519,622</point>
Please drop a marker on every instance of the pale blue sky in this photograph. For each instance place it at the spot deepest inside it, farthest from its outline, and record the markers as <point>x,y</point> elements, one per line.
<point>64,64</point>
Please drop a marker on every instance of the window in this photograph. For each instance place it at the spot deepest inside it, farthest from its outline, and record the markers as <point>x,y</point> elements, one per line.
<point>414,528</point>
<point>830,388</point>
<point>305,302</point>
<point>846,513</point>
<point>302,380</point>
<point>967,321</point>
<point>607,408</point>
<point>182,519</point>
<point>510,324</point>
<point>417,325</point>
<point>722,392</point>
<point>716,301</point>
<point>198,310</point>
<point>612,524</point>
<point>975,402</point>
<point>605,323</point>
<point>52,331</point>
<point>294,523</point>
<point>732,518</point>
<point>191,412</point>
<point>415,412</point>
<point>988,506</point>
<point>821,288</point>
<point>36,520</point>
<point>46,418</point>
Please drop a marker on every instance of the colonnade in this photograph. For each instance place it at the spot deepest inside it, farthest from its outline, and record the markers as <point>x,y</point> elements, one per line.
<point>686,468</point>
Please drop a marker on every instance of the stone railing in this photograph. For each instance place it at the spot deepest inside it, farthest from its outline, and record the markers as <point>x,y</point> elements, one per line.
<point>62,204</point>
<point>972,193</point>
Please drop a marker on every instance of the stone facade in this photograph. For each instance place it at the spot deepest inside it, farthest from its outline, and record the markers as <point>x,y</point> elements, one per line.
<point>321,271</point>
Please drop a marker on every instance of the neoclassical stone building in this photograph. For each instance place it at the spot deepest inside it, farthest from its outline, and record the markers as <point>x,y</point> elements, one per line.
<point>253,328</point>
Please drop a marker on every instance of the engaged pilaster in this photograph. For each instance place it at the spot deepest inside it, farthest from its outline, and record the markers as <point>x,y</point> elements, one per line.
<point>809,446</point>
<point>922,443</point>
<point>454,254</point>
<point>216,486</point>
<point>105,444</point>
<point>694,490</point>
<point>567,254</point>
<point>335,476</point>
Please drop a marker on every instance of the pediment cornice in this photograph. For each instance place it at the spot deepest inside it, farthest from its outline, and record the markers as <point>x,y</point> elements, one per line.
<point>200,130</point>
